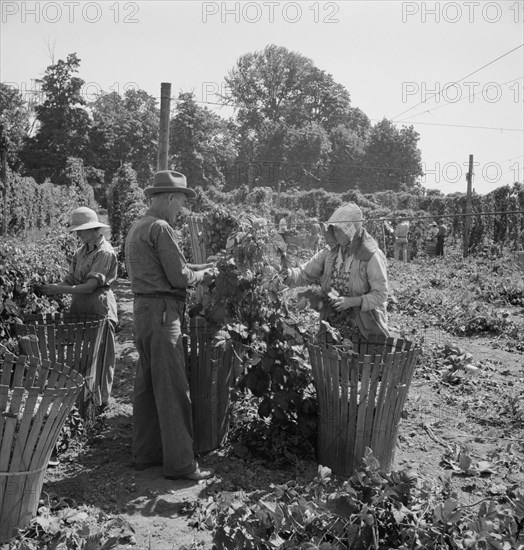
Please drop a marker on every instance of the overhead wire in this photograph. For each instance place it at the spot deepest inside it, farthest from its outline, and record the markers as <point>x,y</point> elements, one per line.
<point>461,79</point>
<point>448,103</point>
<point>460,126</point>
<point>419,218</point>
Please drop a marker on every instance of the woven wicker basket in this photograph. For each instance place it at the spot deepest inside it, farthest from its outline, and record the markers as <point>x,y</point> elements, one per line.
<point>211,373</point>
<point>35,399</point>
<point>68,338</point>
<point>360,400</point>
<point>431,248</point>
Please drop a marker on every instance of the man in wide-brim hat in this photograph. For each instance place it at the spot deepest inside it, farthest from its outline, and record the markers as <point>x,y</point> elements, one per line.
<point>160,276</point>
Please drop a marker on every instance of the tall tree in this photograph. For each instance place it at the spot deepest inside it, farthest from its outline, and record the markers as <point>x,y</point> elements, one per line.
<point>392,159</point>
<point>63,122</point>
<point>125,130</point>
<point>284,86</point>
<point>282,100</point>
<point>202,144</point>
<point>306,152</point>
<point>14,123</point>
<point>346,159</point>
<point>126,203</point>
<point>266,85</point>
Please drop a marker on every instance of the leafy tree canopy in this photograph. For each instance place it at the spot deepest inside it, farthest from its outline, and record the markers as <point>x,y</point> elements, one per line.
<point>63,122</point>
<point>392,159</point>
<point>125,130</point>
<point>14,123</point>
<point>284,86</point>
<point>297,123</point>
<point>202,144</point>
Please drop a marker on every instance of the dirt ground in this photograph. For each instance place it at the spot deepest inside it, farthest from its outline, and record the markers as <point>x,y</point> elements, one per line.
<point>479,413</point>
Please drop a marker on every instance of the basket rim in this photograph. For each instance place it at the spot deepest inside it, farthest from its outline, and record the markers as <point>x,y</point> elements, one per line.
<point>24,361</point>
<point>64,318</point>
<point>344,349</point>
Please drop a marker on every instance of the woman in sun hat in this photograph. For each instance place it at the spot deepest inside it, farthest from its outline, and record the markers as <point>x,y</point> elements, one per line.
<point>352,273</point>
<point>91,274</point>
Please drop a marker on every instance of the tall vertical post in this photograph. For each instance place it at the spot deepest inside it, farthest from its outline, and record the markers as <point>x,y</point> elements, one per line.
<point>3,177</point>
<point>467,222</point>
<point>163,136</point>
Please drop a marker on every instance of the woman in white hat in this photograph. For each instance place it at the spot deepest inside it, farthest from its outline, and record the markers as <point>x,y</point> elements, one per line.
<point>92,272</point>
<point>352,272</point>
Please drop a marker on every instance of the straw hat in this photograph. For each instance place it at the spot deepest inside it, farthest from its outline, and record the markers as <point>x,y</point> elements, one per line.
<point>168,181</point>
<point>84,218</point>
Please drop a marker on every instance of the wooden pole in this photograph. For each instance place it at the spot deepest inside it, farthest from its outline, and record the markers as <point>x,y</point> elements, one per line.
<point>467,222</point>
<point>250,175</point>
<point>163,137</point>
<point>3,175</point>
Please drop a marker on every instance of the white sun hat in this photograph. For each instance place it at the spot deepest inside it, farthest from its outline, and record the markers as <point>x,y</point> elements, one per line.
<point>84,218</point>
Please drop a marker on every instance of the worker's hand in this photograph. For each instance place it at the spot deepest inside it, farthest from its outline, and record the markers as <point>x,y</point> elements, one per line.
<point>48,289</point>
<point>341,303</point>
<point>285,274</point>
<point>210,275</point>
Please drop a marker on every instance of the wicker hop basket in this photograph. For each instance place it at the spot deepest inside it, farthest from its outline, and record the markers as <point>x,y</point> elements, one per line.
<point>520,259</point>
<point>68,338</point>
<point>211,373</point>
<point>360,400</point>
<point>35,399</point>
<point>431,248</point>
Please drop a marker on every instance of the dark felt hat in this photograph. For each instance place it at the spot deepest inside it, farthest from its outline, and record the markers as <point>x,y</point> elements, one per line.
<point>168,181</point>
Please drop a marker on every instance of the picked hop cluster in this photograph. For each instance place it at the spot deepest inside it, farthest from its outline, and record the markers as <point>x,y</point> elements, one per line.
<point>317,299</point>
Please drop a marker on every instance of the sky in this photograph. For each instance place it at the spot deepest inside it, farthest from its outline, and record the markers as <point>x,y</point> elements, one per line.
<point>453,70</point>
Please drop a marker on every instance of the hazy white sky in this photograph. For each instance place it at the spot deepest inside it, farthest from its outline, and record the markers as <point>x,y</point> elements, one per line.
<point>446,67</point>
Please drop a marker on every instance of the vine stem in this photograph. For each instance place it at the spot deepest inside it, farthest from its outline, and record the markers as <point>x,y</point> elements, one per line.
<point>418,525</point>
<point>6,349</point>
<point>474,504</point>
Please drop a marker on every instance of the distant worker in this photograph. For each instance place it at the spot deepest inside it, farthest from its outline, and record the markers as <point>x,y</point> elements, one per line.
<point>283,226</point>
<point>400,249</point>
<point>315,237</point>
<point>441,236</point>
<point>520,259</point>
<point>433,231</point>
<point>431,240</point>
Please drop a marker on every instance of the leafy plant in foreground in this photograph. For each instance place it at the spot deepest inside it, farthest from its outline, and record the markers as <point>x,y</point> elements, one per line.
<point>22,268</point>
<point>371,510</point>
